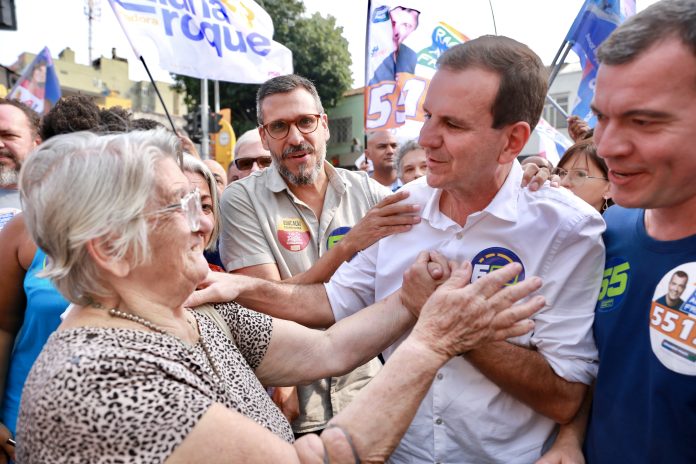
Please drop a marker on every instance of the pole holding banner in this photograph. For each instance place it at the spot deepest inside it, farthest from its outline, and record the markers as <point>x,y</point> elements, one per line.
<point>205,112</point>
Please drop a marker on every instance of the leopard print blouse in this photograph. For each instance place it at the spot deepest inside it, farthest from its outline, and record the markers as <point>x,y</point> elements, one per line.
<point>113,395</point>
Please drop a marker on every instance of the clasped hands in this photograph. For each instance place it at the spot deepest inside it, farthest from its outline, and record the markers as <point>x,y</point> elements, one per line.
<point>455,316</point>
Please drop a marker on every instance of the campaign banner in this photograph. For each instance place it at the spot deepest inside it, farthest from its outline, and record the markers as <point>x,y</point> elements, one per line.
<point>596,20</point>
<point>38,86</point>
<point>224,40</point>
<point>552,143</point>
<point>403,45</point>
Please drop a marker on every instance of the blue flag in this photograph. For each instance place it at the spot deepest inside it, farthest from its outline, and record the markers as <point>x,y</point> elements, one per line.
<point>596,20</point>
<point>38,86</point>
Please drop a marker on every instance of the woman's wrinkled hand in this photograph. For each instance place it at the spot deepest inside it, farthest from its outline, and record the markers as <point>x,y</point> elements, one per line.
<point>460,316</point>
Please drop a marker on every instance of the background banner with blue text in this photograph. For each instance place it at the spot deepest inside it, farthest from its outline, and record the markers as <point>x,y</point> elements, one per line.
<point>225,40</point>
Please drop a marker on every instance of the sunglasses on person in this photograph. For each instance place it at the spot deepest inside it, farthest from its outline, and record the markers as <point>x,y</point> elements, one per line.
<point>575,176</point>
<point>244,164</point>
<point>279,129</point>
<point>190,204</point>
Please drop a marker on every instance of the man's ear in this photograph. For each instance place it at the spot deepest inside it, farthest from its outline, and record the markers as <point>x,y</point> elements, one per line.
<point>325,122</point>
<point>100,251</point>
<point>262,134</point>
<point>517,135</point>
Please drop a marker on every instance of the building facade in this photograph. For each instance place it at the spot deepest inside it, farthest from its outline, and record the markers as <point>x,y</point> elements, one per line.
<point>106,81</point>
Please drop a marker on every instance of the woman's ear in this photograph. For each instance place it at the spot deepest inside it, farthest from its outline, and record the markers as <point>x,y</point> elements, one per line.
<point>101,252</point>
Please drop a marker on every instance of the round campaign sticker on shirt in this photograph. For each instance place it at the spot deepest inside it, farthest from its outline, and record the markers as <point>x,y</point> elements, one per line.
<point>336,236</point>
<point>615,281</point>
<point>493,258</point>
<point>6,214</point>
<point>673,319</point>
<point>293,234</point>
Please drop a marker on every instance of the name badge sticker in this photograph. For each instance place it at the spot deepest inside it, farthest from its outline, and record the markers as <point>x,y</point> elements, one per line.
<point>673,320</point>
<point>293,234</point>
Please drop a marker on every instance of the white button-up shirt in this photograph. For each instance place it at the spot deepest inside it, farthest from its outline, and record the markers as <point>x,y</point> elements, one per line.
<point>466,418</point>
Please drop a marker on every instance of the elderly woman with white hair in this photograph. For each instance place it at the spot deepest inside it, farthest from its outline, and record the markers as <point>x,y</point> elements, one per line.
<point>133,375</point>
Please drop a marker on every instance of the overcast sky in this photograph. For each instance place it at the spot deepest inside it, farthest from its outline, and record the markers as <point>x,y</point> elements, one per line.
<point>541,24</point>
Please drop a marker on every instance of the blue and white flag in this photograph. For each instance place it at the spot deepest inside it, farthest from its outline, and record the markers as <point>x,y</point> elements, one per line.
<point>224,40</point>
<point>596,20</point>
<point>552,143</point>
<point>38,86</point>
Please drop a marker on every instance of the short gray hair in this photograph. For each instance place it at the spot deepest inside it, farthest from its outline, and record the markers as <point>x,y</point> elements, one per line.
<point>251,135</point>
<point>662,20</point>
<point>403,150</point>
<point>196,166</point>
<point>82,186</point>
<point>285,84</point>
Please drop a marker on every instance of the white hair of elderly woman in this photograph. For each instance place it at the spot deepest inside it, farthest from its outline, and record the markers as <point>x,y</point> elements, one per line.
<point>196,166</point>
<point>82,186</point>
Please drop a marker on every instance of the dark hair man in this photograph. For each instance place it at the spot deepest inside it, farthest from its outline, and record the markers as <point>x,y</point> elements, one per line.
<point>645,102</point>
<point>499,403</point>
<point>279,222</point>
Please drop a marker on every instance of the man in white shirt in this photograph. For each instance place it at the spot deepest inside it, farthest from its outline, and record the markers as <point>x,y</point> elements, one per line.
<point>499,403</point>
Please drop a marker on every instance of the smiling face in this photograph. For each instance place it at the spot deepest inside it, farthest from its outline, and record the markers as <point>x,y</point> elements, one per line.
<point>198,181</point>
<point>646,127</point>
<point>461,146</point>
<point>16,142</point>
<point>177,263</point>
<point>585,179</point>
<point>299,157</point>
<point>677,285</point>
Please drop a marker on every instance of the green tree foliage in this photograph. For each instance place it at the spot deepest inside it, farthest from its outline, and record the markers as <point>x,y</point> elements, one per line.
<point>320,53</point>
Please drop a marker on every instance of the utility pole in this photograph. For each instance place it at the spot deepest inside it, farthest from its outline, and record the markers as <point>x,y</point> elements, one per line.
<point>92,10</point>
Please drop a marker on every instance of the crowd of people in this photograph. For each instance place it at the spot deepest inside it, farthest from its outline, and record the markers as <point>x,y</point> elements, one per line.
<point>453,305</point>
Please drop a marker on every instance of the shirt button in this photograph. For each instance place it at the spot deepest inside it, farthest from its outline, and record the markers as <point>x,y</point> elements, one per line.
<point>438,421</point>
<point>459,235</point>
<point>439,376</point>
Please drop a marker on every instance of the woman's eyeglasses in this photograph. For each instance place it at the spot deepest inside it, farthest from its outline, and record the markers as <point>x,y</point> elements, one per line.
<point>575,176</point>
<point>244,164</point>
<point>306,124</point>
<point>190,204</point>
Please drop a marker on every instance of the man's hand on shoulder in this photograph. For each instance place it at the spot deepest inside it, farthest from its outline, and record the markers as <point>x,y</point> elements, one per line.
<point>389,216</point>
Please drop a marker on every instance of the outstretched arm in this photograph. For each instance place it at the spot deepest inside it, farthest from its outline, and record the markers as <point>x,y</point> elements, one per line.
<point>379,416</point>
<point>305,304</point>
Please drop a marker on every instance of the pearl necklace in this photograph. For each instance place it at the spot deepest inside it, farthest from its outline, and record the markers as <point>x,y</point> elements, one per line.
<point>115,312</point>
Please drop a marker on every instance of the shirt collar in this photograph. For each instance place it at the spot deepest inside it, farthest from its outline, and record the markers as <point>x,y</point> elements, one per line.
<point>503,205</point>
<point>276,182</point>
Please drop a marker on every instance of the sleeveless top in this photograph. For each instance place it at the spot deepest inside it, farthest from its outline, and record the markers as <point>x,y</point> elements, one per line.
<point>41,318</point>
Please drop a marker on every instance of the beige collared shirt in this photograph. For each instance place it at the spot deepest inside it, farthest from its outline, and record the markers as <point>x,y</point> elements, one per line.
<point>263,222</point>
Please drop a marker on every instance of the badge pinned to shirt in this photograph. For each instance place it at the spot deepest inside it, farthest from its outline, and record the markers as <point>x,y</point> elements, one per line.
<point>293,234</point>
<point>493,258</point>
<point>336,236</point>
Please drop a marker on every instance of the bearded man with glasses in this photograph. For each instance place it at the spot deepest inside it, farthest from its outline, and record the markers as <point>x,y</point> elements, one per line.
<point>278,223</point>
